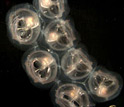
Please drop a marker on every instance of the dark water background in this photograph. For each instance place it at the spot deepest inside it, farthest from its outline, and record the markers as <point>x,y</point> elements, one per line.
<point>101,26</point>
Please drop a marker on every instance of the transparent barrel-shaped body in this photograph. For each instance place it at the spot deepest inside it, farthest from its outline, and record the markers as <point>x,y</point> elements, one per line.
<point>23,25</point>
<point>59,35</point>
<point>71,95</point>
<point>75,64</point>
<point>40,65</point>
<point>104,85</point>
<point>52,9</point>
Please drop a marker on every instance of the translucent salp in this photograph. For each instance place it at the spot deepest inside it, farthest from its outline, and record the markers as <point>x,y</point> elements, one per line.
<point>59,35</point>
<point>40,66</point>
<point>75,64</point>
<point>51,8</point>
<point>104,85</point>
<point>23,25</point>
<point>71,95</point>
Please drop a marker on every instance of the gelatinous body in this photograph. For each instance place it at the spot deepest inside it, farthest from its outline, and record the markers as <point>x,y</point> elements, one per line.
<point>51,8</point>
<point>59,35</point>
<point>23,24</point>
<point>71,95</point>
<point>44,26</point>
<point>104,84</point>
<point>76,64</point>
<point>41,66</point>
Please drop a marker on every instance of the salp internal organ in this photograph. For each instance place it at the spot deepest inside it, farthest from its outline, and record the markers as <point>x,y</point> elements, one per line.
<point>54,59</point>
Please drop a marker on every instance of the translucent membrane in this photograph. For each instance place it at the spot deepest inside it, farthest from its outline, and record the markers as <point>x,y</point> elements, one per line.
<point>41,66</point>
<point>51,8</point>
<point>104,85</point>
<point>23,24</point>
<point>75,64</point>
<point>59,35</point>
<point>71,95</point>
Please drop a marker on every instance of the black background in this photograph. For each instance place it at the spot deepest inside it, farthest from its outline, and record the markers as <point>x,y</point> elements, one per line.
<point>100,24</point>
